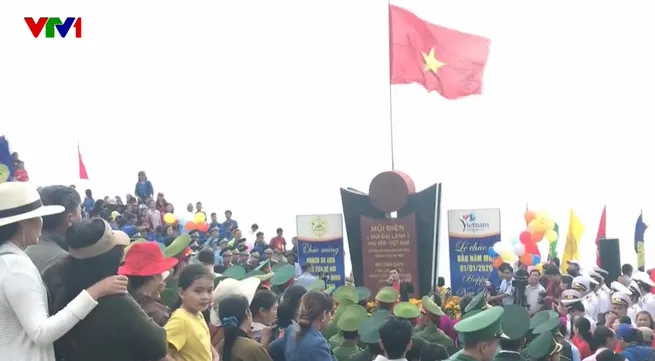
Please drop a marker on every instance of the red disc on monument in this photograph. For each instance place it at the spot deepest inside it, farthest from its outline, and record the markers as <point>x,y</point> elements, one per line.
<point>390,190</point>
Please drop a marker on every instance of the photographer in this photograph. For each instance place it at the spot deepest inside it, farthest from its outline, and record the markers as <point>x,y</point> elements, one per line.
<point>506,291</point>
<point>535,293</point>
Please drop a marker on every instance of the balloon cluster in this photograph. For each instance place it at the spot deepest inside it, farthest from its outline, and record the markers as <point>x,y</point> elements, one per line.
<point>199,222</point>
<point>524,248</point>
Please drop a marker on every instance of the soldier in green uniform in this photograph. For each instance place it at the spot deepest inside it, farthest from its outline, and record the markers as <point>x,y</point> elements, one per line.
<point>515,324</point>
<point>430,331</point>
<point>407,311</point>
<point>364,294</point>
<point>349,323</point>
<point>536,320</point>
<point>385,299</point>
<point>345,296</point>
<point>369,334</point>
<point>544,348</point>
<point>481,334</point>
<point>176,249</point>
<point>552,326</point>
<point>476,305</point>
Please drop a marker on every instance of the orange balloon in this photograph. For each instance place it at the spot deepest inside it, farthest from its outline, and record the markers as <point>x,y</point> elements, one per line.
<point>527,259</point>
<point>497,262</point>
<point>529,216</point>
<point>190,226</point>
<point>536,236</point>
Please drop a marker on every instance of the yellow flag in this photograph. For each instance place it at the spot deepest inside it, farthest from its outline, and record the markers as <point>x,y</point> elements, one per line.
<point>573,236</point>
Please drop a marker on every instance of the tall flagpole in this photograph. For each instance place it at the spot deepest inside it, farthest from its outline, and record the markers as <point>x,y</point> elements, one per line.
<point>393,157</point>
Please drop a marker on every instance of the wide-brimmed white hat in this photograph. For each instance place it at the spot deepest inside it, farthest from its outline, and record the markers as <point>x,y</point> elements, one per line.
<point>20,201</point>
<point>229,286</point>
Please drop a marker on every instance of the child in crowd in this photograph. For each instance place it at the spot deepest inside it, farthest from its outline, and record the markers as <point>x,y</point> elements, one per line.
<point>186,331</point>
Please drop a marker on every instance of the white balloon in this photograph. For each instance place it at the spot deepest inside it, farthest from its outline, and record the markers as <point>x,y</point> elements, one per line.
<point>519,249</point>
<point>498,247</point>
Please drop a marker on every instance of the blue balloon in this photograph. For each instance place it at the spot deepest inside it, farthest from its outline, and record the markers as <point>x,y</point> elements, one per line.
<point>492,253</point>
<point>535,259</point>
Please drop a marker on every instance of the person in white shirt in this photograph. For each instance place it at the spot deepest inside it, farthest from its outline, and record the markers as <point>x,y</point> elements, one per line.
<point>582,284</point>
<point>645,284</point>
<point>534,293</point>
<point>306,279</point>
<point>605,339</point>
<point>604,304</point>
<point>395,339</point>
<point>506,291</point>
<point>28,332</point>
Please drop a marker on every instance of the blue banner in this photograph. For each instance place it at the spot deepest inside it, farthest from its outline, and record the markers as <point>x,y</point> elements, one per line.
<point>326,258</point>
<point>470,235</point>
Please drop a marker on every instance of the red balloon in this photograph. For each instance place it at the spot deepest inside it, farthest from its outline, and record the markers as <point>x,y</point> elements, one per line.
<point>190,226</point>
<point>532,248</point>
<point>525,237</point>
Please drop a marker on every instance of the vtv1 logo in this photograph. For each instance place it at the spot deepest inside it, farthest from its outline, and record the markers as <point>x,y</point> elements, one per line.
<point>50,24</point>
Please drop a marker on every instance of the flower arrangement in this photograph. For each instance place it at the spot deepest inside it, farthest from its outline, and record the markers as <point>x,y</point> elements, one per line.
<point>370,306</point>
<point>416,302</point>
<point>451,307</point>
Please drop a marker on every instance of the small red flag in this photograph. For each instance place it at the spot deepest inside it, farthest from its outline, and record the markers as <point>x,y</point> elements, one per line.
<point>83,173</point>
<point>602,233</point>
<point>447,61</point>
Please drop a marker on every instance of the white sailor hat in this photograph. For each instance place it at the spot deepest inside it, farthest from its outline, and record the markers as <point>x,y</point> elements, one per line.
<point>590,275</point>
<point>621,299</point>
<point>581,283</point>
<point>601,271</point>
<point>643,277</point>
<point>572,261</point>
<point>619,287</point>
<point>570,296</point>
<point>634,287</point>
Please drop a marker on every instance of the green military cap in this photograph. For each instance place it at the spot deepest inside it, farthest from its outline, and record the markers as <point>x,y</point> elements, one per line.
<point>369,331</point>
<point>542,346</point>
<point>406,310</point>
<point>237,272</point>
<point>478,302</point>
<point>265,276</point>
<point>469,314</point>
<point>483,326</point>
<point>352,318</point>
<point>178,245</point>
<point>263,265</point>
<point>541,317</point>
<point>551,325</point>
<point>363,293</point>
<point>341,308</point>
<point>430,306</point>
<point>316,285</point>
<point>330,289</point>
<point>387,295</point>
<point>283,274</point>
<point>515,321</point>
<point>253,273</point>
<point>345,292</point>
<point>268,251</point>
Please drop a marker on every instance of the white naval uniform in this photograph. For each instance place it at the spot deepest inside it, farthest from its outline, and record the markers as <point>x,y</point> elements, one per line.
<point>604,301</point>
<point>590,302</point>
<point>647,303</point>
<point>633,311</point>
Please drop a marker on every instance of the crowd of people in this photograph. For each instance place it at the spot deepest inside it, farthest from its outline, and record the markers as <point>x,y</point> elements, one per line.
<point>85,279</point>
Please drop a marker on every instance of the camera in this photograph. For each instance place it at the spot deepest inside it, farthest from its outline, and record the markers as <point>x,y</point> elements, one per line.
<point>519,283</point>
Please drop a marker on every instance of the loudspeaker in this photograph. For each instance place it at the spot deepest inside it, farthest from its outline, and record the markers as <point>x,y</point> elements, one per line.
<point>610,258</point>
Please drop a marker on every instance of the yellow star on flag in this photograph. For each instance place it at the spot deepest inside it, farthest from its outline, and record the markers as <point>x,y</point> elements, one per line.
<point>431,62</point>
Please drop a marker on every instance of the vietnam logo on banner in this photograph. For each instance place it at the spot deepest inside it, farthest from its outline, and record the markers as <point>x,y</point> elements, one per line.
<point>320,243</point>
<point>471,233</point>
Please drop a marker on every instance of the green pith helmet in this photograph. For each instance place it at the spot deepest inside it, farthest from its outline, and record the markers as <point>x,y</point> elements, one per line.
<point>483,326</point>
<point>387,295</point>
<point>406,310</point>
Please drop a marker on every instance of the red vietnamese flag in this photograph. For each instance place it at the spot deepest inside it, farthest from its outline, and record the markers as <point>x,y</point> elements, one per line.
<point>441,59</point>
<point>602,233</point>
<point>83,173</point>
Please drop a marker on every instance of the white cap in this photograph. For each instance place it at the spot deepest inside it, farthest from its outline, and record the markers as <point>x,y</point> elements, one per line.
<point>588,274</point>
<point>619,287</point>
<point>643,277</point>
<point>581,283</point>
<point>570,296</point>
<point>601,271</point>
<point>620,298</point>
<point>572,261</point>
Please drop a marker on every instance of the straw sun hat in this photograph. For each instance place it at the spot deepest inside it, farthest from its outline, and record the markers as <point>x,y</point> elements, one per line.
<point>20,201</point>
